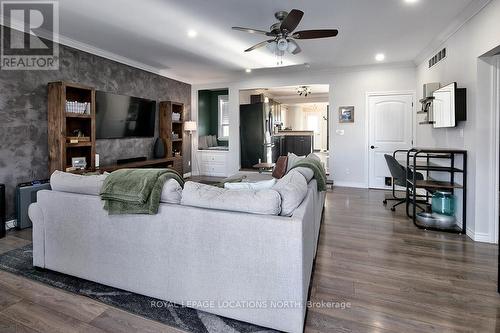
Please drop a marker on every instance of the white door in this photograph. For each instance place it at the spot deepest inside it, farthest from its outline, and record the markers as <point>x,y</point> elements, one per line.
<point>390,128</point>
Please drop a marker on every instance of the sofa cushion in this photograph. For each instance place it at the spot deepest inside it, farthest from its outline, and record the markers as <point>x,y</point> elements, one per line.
<point>69,182</point>
<point>292,189</point>
<point>265,202</point>
<point>171,192</point>
<point>292,160</point>
<point>257,186</point>
<point>306,172</point>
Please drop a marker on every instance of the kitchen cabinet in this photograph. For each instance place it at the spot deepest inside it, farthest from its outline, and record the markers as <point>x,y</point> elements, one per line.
<point>299,145</point>
<point>278,147</point>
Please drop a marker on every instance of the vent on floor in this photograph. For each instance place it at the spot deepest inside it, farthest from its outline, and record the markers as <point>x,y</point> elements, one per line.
<point>437,58</point>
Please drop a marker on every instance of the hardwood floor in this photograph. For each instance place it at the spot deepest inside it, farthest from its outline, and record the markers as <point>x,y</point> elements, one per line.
<point>388,275</point>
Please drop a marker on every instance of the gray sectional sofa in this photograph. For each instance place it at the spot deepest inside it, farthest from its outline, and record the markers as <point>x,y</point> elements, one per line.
<point>251,267</point>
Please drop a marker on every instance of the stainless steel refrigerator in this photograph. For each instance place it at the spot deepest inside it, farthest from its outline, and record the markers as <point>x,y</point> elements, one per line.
<point>256,128</point>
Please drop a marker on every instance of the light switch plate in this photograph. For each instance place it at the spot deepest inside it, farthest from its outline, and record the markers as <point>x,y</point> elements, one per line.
<point>340,132</point>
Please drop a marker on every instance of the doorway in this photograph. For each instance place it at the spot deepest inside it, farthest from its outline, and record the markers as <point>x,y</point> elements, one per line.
<point>390,128</point>
<point>496,90</point>
<point>276,121</point>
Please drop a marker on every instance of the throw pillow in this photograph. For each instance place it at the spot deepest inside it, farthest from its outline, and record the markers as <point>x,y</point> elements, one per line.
<point>258,186</point>
<point>280,167</point>
<point>171,192</point>
<point>314,157</point>
<point>292,160</point>
<point>214,141</point>
<point>209,141</point>
<point>202,142</point>
<point>292,189</point>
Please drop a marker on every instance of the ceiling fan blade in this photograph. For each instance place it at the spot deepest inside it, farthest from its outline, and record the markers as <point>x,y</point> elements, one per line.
<point>313,34</point>
<point>261,44</point>
<point>292,20</point>
<point>252,31</point>
<point>297,47</point>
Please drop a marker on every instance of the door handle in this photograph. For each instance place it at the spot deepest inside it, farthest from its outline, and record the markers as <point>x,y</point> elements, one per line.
<point>373,147</point>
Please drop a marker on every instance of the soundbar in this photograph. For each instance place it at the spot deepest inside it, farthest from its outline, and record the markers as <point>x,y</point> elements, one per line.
<point>2,210</point>
<point>131,160</point>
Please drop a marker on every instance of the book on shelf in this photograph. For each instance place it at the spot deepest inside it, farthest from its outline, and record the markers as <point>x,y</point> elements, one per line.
<point>78,107</point>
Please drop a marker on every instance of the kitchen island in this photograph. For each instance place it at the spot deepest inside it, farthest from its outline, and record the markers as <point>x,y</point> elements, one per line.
<point>300,143</point>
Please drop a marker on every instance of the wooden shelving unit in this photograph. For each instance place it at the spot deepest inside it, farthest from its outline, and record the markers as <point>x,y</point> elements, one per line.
<point>166,162</point>
<point>62,125</point>
<point>421,159</point>
<point>168,127</point>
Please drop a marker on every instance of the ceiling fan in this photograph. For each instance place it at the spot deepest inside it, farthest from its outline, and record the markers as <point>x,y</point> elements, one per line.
<point>283,35</point>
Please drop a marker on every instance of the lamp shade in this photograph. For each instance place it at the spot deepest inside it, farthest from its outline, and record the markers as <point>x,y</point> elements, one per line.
<point>190,126</point>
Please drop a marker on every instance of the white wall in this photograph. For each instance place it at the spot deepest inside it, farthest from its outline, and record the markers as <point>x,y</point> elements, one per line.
<point>350,151</point>
<point>295,117</point>
<point>346,88</point>
<point>463,65</point>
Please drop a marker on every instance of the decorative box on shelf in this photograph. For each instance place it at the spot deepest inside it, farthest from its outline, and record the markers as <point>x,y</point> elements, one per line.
<point>77,139</point>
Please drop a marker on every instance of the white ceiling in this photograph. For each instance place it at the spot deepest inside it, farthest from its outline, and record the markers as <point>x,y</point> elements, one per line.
<point>292,90</point>
<point>289,95</point>
<point>152,34</point>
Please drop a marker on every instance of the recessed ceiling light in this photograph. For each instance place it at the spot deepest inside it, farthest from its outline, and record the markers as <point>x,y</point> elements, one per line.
<point>411,1</point>
<point>380,57</point>
<point>248,70</point>
<point>192,33</point>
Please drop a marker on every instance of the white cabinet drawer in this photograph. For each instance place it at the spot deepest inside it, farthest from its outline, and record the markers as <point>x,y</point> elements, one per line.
<point>212,163</point>
<point>212,169</point>
<point>218,158</point>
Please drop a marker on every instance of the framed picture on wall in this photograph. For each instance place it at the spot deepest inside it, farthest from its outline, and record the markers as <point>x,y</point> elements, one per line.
<point>346,114</point>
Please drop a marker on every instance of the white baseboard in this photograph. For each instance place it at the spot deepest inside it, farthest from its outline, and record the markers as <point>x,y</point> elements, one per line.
<point>349,184</point>
<point>479,237</point>
<point>187,175</point>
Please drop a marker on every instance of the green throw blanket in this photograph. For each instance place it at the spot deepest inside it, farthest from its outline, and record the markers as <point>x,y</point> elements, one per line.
<point>136,191</point>
<point>318,169</point>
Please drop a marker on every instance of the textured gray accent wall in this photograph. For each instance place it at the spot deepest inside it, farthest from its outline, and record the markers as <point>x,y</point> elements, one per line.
<point>23,113</point>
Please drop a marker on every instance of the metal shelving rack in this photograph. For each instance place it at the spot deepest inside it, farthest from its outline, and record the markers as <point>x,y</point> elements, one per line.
<point>414,160</point>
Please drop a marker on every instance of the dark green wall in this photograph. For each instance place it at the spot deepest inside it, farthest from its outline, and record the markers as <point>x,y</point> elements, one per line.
<point>208,116</point>
<point>204,112</point>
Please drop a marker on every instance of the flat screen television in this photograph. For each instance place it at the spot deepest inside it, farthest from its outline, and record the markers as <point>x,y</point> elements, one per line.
<point>119,116</point>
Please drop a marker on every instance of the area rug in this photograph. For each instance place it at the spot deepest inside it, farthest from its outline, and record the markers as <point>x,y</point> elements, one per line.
<point>20,261</point>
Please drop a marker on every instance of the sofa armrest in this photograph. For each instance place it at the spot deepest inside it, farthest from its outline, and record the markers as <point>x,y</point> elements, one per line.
<point>35,213</point>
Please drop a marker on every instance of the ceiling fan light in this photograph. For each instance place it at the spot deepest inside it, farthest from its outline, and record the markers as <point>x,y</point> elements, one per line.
<point>282,44</point>
<point>292,47</point>
<point>271,47</point>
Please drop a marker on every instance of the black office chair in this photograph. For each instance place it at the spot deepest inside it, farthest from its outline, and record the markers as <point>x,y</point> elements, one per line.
<point>398,173</point>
